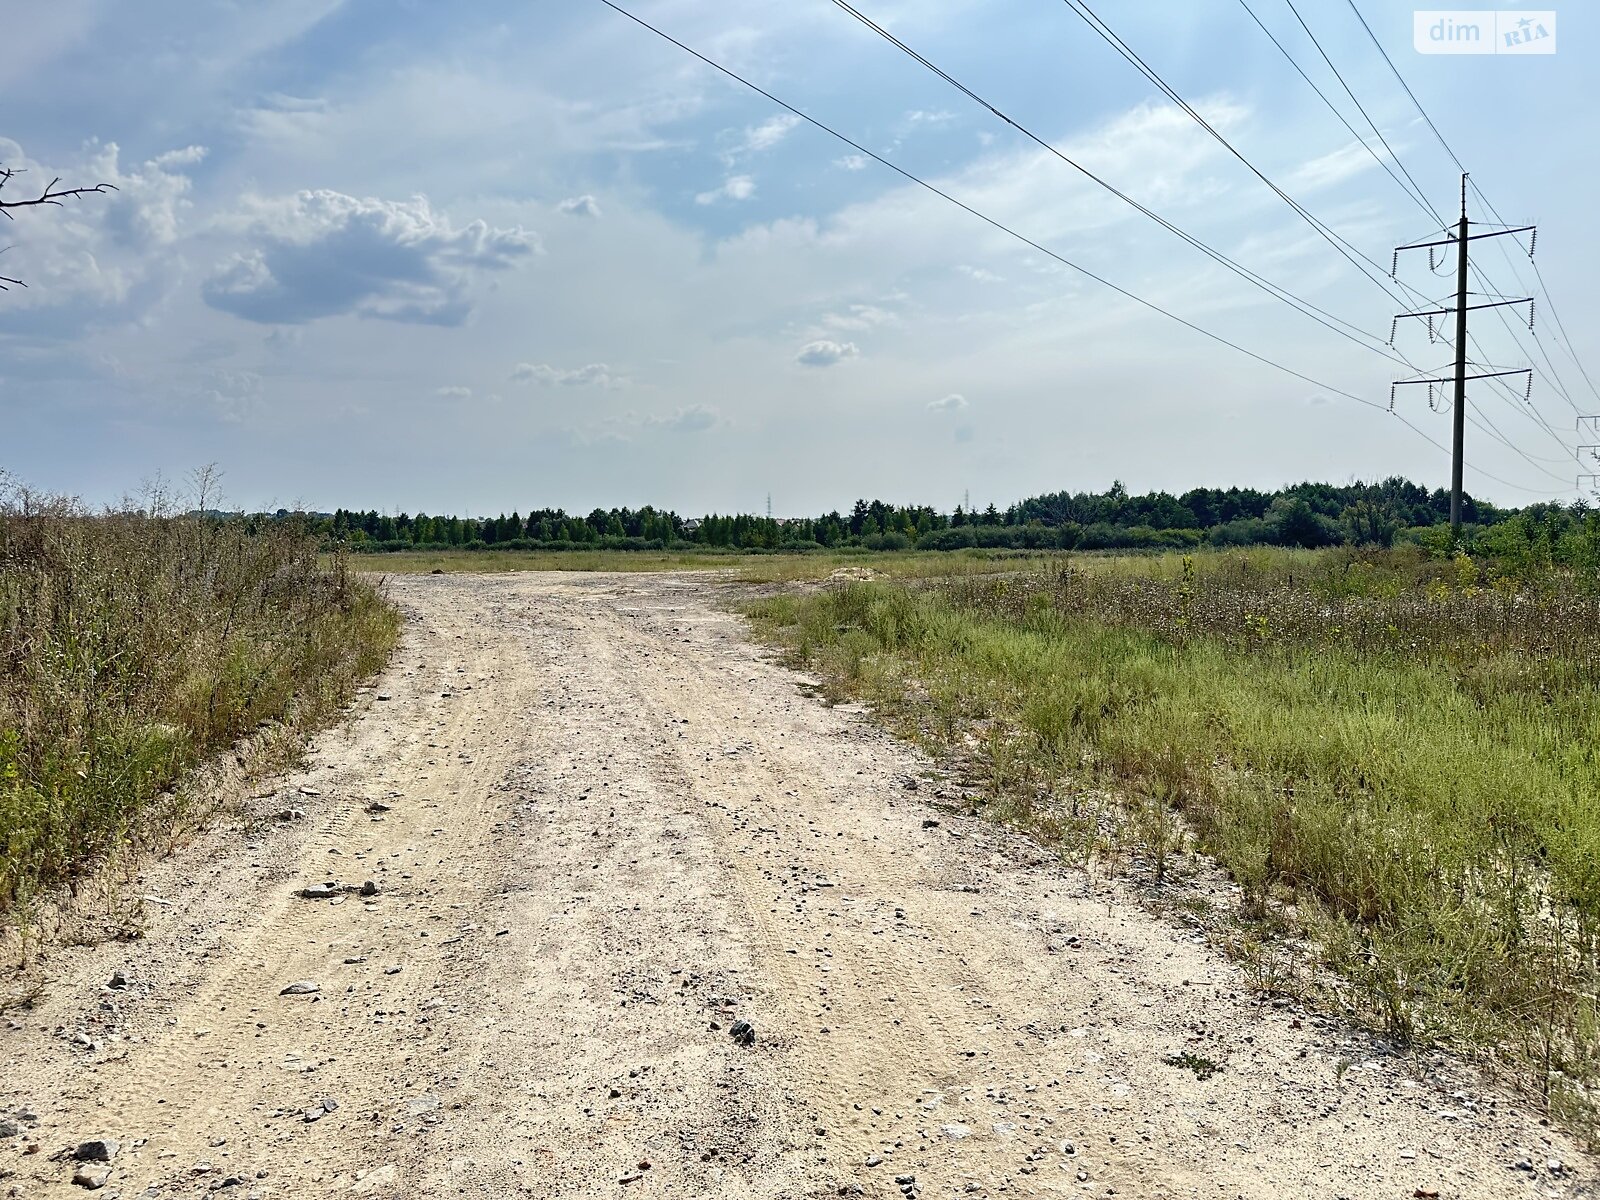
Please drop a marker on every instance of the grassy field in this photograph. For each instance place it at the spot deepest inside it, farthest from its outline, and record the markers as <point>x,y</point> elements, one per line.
<point>1394,757</point>
<point>133,647</point>
<point>753,568</point>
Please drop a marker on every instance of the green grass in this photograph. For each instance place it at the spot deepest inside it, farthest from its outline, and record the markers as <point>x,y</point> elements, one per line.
<point>752,568</point>
<point>134,647</point>
<point>1392,756</point>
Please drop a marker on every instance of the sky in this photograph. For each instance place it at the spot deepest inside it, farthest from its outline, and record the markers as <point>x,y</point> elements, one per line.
<point>480,257</point>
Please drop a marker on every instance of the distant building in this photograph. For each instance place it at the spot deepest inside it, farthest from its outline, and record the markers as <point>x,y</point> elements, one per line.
<point>691,525</point>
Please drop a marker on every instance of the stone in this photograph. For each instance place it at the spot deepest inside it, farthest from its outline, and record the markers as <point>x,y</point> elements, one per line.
<point>9,1129</point>
<point>930,823</point>
<point>874,1160</point>
<point>117,980</point>
<point>743,1033</point>
<point>92,1176</point>
<point>97,1150</point>
<point>369,888</point>
<point>379,1179</point>
<point>302,987</point>
<point>319,891</point>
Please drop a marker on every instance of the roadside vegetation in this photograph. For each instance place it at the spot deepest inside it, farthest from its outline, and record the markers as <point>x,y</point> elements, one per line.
<point>1393,755</point>
<point>133,646</point>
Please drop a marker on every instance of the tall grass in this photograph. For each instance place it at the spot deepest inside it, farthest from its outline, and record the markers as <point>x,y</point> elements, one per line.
<point>133,646</point>
<point>1397,757</point>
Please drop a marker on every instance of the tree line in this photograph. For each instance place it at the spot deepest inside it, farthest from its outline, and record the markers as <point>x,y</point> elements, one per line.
<point>1304,515</point>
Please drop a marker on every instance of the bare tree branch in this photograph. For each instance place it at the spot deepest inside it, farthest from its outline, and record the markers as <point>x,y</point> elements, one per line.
<point>52,195</point>
<point>6,282</point>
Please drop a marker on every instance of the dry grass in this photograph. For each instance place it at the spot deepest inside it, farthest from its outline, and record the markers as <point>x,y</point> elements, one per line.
<point>133,646</point>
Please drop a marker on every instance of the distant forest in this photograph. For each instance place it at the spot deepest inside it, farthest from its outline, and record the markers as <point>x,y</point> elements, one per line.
<point>1306,514</point>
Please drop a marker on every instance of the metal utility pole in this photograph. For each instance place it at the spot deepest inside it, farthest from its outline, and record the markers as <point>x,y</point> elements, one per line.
<point>1460,239</point>
<point>1459,438</point>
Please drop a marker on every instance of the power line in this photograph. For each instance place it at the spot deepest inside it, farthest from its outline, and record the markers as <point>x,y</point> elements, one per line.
<point>1421,202</point>
<point>1277,292</point>
<point>1084,12</point>
<point>1273,289</point>
<point>1539,275</point>
<point>984,217</point>
<point>1414,191</point>
<point>1420,194</point>
<point>1444,450</point>
<point>1024,239</point>
<point>1349,252</point>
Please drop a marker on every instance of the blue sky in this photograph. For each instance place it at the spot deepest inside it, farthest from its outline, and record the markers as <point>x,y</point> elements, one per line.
<point>480,257</point>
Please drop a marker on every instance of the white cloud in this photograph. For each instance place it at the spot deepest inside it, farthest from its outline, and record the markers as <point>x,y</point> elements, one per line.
<point>1336,166</point>
<point>455,392</point>
<point>770,132</point>
<point>97,251</point>
<point>232,395</point>
<point>954,402</point>
<point>735,187</point>
<point>980,274</point>
<point>858,317</point>
<point>825,353</point>
<point>693,418</point>
<point>323,253</point>
<point>590,375</point>
<point>149,202</point>
<point>852,162</point>
<point>580,206</point>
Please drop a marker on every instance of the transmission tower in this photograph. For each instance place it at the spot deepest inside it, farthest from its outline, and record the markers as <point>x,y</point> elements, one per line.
<point>1589,427</point>
<point>1460,238</point>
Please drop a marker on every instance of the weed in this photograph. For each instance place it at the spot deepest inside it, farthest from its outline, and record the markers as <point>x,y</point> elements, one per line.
<point>1203,1068</point>
<point>132,646</point>
<point>1392,760</point>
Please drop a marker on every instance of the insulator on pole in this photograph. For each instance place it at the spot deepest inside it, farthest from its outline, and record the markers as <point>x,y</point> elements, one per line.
<point>1533,242</point>
<point>1394,329</point>
<point>1527,394</point>
<point>1394,265</point>
<point>1530,316</point>
<point>1431,406</point>
<point>1391,396</point>
<point>1432,337</point>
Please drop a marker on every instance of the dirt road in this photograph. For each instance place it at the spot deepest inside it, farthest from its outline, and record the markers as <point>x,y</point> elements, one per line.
<point>602,829</point>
